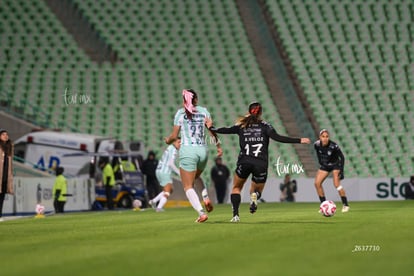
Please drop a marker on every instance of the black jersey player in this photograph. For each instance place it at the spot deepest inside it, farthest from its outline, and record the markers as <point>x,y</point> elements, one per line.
<point>331,159</point>
<point>254,135</point>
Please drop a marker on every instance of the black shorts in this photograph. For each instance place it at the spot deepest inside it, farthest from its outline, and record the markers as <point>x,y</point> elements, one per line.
<point>258,171</point>
<point>329,168</point>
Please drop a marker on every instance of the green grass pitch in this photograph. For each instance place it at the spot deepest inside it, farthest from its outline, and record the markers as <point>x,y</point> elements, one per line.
<point>374,238</point>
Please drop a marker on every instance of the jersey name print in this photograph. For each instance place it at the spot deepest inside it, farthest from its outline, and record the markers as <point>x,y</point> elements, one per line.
<point>253,141</point>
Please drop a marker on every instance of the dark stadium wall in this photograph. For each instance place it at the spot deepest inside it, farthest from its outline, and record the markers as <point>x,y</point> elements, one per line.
<point>15,127</point>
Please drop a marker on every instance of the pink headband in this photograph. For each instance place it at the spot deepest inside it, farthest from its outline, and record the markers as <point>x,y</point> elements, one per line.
<point>188,101</point>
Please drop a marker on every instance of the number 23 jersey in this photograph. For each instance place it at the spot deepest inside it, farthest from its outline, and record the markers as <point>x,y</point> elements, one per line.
<point>192,131</point>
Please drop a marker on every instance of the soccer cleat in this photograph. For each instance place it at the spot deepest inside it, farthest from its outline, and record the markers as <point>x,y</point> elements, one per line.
<point>207,204</point>
<point>202,218</point>
<point>235,219</point>
<point>345,209</point>
<point>158,210</point>
<point>253,203</point>
<point>152,204</point>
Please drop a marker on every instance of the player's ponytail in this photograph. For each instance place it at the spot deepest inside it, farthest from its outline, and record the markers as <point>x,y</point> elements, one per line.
<point>254,115</point>
<point>190,99</point>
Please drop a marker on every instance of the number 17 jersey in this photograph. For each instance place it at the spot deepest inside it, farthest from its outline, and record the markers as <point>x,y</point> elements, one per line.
<point>254,140</point>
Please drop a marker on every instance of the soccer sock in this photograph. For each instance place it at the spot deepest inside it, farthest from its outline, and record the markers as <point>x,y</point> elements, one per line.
<point>259,195</point>
<point>344,200</point>
<point>162,202</point>
<point>235,201</point>
<point>322,198</point>
<point>158,197</point>
<point>204,194</point>
<point>195,202</point>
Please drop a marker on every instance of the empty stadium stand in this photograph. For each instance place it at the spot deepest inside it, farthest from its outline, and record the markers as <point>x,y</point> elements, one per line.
<point>162,49</point>
<point>353,62</point>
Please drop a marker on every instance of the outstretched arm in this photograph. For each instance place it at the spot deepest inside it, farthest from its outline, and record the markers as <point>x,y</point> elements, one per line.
<point>285,139</point>
<point>226,130</point>
<point>221,130</point>
<point>209,124</point>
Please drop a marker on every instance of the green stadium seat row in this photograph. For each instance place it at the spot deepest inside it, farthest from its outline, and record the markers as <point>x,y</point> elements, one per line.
<point>380,53</point>
<point>354,77</point>
<point>356,33</point>
<point>347,11</point>
<point>86,82</point>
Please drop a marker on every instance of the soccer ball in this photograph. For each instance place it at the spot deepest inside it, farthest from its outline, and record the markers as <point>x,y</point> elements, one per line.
<point>137,203</point>
<point>327,208</point>
<point>40,209</point>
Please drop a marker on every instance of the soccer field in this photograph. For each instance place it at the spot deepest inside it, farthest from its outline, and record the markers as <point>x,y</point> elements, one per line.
<point>374,238</point>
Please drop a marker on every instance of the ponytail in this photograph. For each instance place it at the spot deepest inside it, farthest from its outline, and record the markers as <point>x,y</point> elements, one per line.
<point>253,117</point>
<point>190,98</point>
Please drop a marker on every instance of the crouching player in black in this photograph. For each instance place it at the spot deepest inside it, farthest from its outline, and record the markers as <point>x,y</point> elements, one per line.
<point>331,159</point>
<point>254,135</point>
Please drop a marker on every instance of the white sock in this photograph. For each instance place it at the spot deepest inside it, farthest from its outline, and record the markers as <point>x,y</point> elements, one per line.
<point>204,193</point>
<point>158,197</point>
<point>162,202</point>
<point>194,200</point>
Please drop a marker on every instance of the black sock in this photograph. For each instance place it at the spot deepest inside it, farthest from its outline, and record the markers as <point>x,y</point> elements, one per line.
<point>259,194</point>
<point>344,200</point>
<point>235,201</point>
<point>322,198</point>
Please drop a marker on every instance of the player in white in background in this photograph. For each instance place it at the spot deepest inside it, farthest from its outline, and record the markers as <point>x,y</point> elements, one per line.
<point>163,172</point>
<point>193,154</point>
